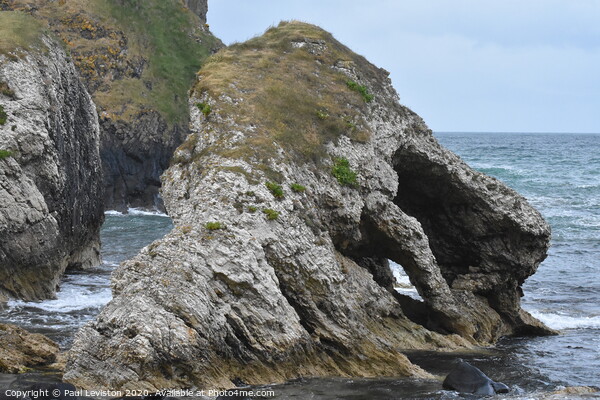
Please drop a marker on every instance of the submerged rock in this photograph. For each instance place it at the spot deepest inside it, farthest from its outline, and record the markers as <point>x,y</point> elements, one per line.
<point>50,176</point>
<point>21,350</point>
<point>302,176</point>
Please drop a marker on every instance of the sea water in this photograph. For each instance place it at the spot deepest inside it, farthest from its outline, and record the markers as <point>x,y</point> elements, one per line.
<point>83,293</point>
<point>558,173</point>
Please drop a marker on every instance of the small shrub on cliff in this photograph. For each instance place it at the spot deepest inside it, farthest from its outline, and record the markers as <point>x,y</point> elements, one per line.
<point>6,91</point>
<point>251,209</point>
<point>213,226</point>
<point>322,115</point>
<point>275,189</point>
<point>271,214</point>
<point>204,108</point>
<point>5,154</point>
<point>343,173</point>
<point>361,89</point>
<point>297,188</point>
<point>3,116</point>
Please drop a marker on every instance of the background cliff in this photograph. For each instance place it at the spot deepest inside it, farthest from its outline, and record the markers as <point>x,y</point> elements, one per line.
<point>50,175</point>
<point>138,59</point>
<point>302,176</point>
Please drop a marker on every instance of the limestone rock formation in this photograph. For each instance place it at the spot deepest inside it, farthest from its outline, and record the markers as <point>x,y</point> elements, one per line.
<point>20,350</point>
<point>50,176</point>
<point>138,60</point>
<point>302,176</point>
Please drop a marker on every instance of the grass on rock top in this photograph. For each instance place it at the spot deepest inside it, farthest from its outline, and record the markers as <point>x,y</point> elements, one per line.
<point>165,34</point>
<point>18,30</point>
<point>285,91</point>
<point>108,39</point>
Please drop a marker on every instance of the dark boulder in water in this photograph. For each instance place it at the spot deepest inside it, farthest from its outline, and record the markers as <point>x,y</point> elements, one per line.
<point>466,378</point>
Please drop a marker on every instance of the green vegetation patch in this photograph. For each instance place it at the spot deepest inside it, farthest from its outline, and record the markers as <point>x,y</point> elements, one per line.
<point>204,109</point>
<point>343,173</point>
<point>213,226</point>
<point>168,36</point>
<point>19,31</point>
<point>322,115</point>
<point>3,115</point>
<point>361,89</point>
<point>5,154</point>
<point>135,55</point>
<point>271,214</point>
<point>275,189</point>
<point>297,188</point>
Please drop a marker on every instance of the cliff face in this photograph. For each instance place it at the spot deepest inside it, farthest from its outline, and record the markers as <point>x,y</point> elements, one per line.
<point>138,60</point>
<point>302,176</point>
<point>50,176</point>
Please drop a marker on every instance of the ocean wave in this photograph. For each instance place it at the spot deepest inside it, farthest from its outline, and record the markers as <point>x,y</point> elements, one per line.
<point>135,211</point>
<point>113,212</point>
<point>67,301</point>
<point>560,321</point>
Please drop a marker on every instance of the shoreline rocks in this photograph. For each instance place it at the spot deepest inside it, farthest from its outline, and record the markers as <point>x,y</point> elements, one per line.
<point>20,350</point>
<point>299,180</point>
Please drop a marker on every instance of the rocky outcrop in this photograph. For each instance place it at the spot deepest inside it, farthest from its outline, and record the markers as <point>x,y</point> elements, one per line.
<point>21,350</point>
<point>198,7</point>
<point>138,70</point>
<point>302,176</point>
<point>50,176</point>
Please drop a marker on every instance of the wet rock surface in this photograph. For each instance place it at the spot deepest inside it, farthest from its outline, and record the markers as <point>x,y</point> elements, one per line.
<point>302,176</point>
<point>51,205</point>
<point>466,378</point>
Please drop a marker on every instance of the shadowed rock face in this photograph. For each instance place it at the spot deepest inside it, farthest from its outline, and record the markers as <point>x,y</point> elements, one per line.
<point>302,176</point>
<point>51,205</point>
<point>198,7</point>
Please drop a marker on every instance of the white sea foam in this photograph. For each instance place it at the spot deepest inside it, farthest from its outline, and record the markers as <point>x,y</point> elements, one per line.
<point>135,211</point>
<point>67,300</point>
<point>485,166</point>
<point>113,212</point>
<point>139,211</point>
<point>403,282</point>
<point>561,321</point>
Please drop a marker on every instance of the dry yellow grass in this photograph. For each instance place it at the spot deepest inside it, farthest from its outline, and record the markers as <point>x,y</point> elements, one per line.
<point>290,92</point>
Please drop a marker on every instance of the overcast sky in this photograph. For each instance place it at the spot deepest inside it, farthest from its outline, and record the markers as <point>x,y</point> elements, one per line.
<point>463,65</point>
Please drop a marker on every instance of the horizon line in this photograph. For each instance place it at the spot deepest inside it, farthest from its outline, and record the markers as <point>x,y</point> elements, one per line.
<point>517,132</point>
